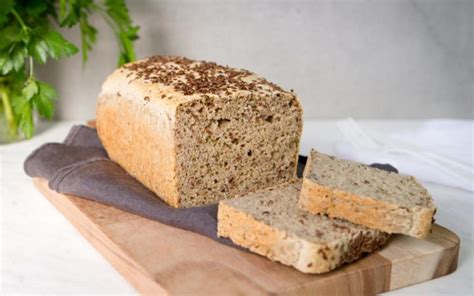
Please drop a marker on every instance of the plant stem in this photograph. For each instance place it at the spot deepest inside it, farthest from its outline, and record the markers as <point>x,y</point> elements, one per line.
<point>19,19</point>
<point>31,67</point>
<point>8,112</point>
<point>111,23</point>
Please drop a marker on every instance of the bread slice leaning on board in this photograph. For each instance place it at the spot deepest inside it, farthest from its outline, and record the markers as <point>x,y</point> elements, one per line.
<point>364,195</point>
<point>270,223</point>
<point>195,132</point>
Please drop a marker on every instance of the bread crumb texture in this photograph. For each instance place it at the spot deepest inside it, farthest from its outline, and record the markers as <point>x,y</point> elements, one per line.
<point>202,132</point>
<point>270,223</point>
<point>378,199</point>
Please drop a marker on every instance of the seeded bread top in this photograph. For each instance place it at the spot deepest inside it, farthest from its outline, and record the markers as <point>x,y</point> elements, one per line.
<point>278,207</point>
<point>363,180</point>
<point>178,79</point>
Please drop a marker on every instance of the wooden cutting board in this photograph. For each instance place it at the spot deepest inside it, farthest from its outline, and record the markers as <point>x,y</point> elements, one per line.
<point>159,259</point>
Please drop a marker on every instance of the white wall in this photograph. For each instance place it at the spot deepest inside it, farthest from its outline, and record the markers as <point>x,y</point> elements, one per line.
<point>366,59</point>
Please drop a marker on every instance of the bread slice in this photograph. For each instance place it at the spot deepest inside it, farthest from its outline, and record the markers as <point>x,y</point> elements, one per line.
<point>365,195</point>
<point>195,132</point>
<point>270,223</point>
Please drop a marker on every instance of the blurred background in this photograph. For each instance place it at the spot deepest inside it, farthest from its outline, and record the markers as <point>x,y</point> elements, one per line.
<point>366,59</point>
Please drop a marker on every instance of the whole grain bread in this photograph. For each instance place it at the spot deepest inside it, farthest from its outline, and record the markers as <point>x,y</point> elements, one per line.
<point>368,196</point>
<point>195,132</point>
<point>270,223</point>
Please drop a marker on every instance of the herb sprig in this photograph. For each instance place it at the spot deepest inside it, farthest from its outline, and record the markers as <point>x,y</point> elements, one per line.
<point>28,36</point>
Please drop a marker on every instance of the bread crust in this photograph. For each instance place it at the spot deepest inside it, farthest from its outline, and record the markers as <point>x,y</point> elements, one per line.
<point>370,212</point>
<point>289,249</point>
<point>143,148</point>
<point>137,119</point>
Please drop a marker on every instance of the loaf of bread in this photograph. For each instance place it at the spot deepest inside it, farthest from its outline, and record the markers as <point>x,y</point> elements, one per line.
<point>196,132</point>
<point>367,196</point>
<point>270,223</point>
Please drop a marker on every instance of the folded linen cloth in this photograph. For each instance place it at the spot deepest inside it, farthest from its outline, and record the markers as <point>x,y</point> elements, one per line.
<point>80,167</point>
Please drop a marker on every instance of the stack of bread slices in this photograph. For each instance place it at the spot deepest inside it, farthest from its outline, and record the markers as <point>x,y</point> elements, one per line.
<point>339,211</point>
<point>198,133</point>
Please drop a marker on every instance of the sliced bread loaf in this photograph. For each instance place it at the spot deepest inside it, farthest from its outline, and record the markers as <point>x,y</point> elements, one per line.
<point>270,223</point>
<point>367,196</point>
<point>195,132</point>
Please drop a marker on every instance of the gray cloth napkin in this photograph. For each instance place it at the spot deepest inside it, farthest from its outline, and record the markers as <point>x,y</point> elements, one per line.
<point>80,166</point>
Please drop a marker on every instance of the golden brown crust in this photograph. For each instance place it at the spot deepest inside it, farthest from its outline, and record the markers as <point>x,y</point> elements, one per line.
<point>270,242</point>
<point>366,211</point>
<point>176,80</point>
<point>289,249</point>
<point>363,180</point>
<point>138,113</point>
<point>190,77</point>
<point>140,139</point>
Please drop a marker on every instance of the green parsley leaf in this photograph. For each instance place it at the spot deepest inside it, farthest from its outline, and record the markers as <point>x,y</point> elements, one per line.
<point>88,36</point>
<point>49,43</point>
<point>10,35</point>
<point>30,90</point>
<point>70,19</point>
<point>62,9</point>
<point>26,124</point>
<point>16,81</point>
<point>73,10</point>
<point>125,31</point>
<point>18,56</point>
<point>38,49</point>
<point>58,47</point>
<point>13,59</point>
<point>44,100</point>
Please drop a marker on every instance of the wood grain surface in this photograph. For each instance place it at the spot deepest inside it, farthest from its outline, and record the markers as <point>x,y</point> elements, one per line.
<point>159,259</point>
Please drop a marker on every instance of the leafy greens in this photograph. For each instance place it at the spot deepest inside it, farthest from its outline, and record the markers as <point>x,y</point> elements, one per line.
<point>28,35</point>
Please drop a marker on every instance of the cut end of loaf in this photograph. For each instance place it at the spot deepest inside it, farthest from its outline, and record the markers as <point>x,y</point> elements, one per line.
<point>269,223</point>
<point>233,145</point>
<point>367,196</point>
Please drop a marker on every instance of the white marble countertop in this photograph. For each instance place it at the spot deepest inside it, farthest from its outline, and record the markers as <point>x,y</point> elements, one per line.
<point>42,253</point>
